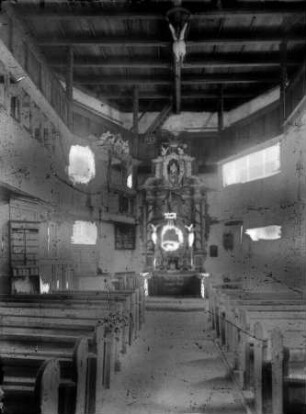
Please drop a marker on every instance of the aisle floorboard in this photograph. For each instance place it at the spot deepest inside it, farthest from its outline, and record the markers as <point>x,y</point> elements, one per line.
<point>174,367</point>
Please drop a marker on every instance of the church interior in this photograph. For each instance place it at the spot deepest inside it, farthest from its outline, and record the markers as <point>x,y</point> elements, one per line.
<point>152,206</point>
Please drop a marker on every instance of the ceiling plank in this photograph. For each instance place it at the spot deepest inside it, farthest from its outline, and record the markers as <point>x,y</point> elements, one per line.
<point>184,96</point>
<point>233,37</point>
<point>192,62</point>
<point>157,11</point>
<point>118,62</point>
<point>204,79</point>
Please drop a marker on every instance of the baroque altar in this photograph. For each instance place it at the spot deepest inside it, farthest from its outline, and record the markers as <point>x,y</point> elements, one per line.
<point>175,226</point>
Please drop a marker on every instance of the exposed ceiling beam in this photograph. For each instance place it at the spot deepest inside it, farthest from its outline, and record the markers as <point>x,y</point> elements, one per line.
<point>184,96</point>
<point>177,85</point>
<point>156,10</point>
<point>204,79</point>
<point>233,37</point>
<point>192,62</point>
<point>159,120</point>
<point>118,62</point>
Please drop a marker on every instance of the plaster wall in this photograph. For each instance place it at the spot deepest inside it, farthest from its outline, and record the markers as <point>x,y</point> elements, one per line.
<point>34,169</point>
<point>277,200</point>
<point>112,260</point>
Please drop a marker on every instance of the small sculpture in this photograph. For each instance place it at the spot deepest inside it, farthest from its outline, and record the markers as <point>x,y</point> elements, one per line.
<point>164,150</point>
<point>154,234</point>
<point>190,235</point>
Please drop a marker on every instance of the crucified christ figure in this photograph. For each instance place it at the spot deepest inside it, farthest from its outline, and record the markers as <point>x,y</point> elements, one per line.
<point>179,45</point>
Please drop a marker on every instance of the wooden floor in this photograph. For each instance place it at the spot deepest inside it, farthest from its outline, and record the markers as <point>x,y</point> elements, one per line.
<point>174,366</point>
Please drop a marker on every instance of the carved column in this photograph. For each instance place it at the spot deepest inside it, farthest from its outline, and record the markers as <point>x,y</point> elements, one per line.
<point>198,245</point>
<point>149,242</point>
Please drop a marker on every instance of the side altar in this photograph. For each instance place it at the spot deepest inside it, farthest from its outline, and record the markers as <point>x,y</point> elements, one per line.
<point>175,225</point>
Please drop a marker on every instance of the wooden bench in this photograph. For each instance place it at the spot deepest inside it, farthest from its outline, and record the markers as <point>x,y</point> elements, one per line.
<point>248,341</point>
<point>228,299</point>
<point>37,393</point>
<point>225,300</point>
<point>95,306</point>
<point>236,315</point>
<point>94,319</point>
<point>137,301</point>
<point>100,310</point>
<point>212,292</point>
<point>46,315</point>
<point>130,303</point>
<point>243,340</point>
<point>280,369</point>
<point>21,356</point>
<point>235,308</point>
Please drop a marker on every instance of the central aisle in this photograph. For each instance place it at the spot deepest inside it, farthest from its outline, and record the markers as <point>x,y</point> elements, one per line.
<point>173,367</point>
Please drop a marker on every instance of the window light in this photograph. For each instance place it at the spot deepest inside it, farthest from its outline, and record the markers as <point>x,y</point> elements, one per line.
<point>84,232</point>
<point>254,166</point>
<point>265,233</point>
<point>81,167</point>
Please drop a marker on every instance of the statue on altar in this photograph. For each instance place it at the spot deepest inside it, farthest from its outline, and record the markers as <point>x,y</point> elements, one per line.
<point>173,172</point>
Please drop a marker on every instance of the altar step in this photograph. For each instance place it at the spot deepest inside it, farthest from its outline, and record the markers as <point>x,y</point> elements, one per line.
<point>175,304</point>
<point>175,284</point>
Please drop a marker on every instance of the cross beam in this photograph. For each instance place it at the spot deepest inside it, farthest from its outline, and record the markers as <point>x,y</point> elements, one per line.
<point>208,38</point>
<point>192,62</point>
<point>204,79</point>
<point>151,96</point>
<point>157,9</point>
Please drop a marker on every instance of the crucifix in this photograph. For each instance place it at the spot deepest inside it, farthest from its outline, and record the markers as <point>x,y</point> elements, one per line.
<point>178,18</point>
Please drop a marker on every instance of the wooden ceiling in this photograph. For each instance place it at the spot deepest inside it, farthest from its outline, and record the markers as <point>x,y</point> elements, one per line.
<point>123,48</point>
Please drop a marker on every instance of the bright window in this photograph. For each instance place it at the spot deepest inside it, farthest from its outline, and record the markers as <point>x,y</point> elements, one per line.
<point>84,232</point>
<point>265,233</point>
<point>81,167</point>
<point>254,166</point>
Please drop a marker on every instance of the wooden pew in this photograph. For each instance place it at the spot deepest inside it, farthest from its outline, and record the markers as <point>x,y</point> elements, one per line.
<point>228,315</point>
<point>219,294</point>
<point>231,325</point>
<point>280,373</point>
<point>238,312</point>
<point>38,393</point>
<point>227,300</point>
<point>100,342</point>
<point>236,315</point>
<point>37,306</point>
<point>129,301</point>
<point>33,349</point>
<point>212,292</point>
<point>104,344</point>
<point>41,305</point>
<point>270,316</point>
<point>137,300</point>
<point>105,338</point>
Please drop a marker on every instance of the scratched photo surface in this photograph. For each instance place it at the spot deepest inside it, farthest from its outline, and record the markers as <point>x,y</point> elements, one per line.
<point>152,207</point>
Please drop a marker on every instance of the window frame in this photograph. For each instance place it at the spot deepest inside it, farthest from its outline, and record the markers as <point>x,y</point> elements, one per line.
<point>246,157</point>
<point>130,243</point>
